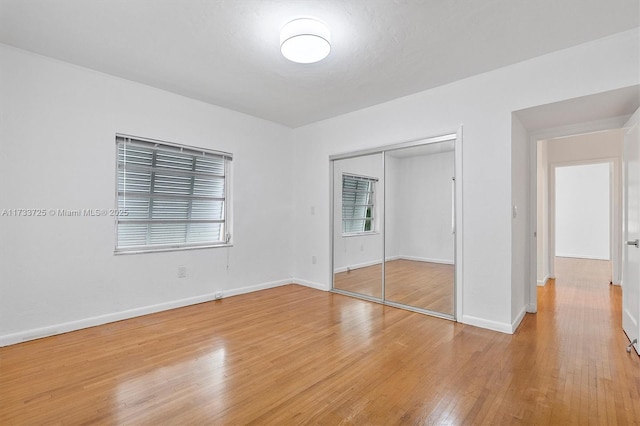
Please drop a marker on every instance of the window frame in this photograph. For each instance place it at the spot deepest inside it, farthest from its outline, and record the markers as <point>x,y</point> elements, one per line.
<point>227,205</point>
<point>371,204</point>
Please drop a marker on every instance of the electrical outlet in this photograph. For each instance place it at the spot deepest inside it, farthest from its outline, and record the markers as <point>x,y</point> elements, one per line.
<point>182,272</point>
<point>313,260</point>
<point>217,295</point>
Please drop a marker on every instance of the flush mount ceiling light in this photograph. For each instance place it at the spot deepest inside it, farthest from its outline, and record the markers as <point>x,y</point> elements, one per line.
<point>305,41</point>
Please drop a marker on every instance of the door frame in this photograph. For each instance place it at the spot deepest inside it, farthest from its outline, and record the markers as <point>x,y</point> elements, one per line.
<point>629,323</point>
<point>615,212</point>
<point>552,133</point>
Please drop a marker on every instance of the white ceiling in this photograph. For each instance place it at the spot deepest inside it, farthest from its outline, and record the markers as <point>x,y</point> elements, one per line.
<point>226,52</point>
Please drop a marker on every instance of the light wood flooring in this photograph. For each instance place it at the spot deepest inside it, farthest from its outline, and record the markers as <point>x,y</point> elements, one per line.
<point>423,285</point>
<point>367,281</point>
<point>294,355</point>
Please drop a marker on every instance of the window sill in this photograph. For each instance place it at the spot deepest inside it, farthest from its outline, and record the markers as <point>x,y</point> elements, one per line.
<point>360,234</point>
<point>167,249</point>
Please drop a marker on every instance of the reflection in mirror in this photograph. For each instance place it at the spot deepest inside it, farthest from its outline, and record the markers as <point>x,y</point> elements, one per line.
<point>420,249</point>
<point>357,225</point>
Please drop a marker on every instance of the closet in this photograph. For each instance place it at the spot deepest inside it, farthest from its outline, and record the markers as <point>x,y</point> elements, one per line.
<point>394,225</point>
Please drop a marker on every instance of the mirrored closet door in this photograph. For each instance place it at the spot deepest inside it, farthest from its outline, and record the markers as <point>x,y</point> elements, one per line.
<point>358,194</point>
<point>420,239</point>
<point>394,234</point>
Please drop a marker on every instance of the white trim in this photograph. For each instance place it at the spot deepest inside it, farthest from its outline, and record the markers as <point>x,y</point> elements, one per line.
<point>357,266</point>
<point>257,287</point>
<point>395,146</point>
<point>582,256</point>
<point>615,212</point>
<point>425,259</point>
<point>311,284</point>
<point>359,233</point>
<point>391,258</point>
<point>459,225</point>
<point>543,282</point>
<point>65,327</point>
<point>553,133</point>
<point>457,137</point>
<point>595,126</point>
<point>502,327</point>
<point>516,322</point>
<point>495,325</point>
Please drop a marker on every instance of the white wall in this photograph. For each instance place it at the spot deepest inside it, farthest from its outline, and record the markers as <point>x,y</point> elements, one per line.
<point>484,104</point>
<point>582,211</point>
<point>58,124</point>
<point>519,221</point>
<point>423,209</point>
<point>360,250</point>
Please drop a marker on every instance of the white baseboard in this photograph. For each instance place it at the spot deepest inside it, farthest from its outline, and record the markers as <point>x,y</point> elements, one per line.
<point>356,266</point>
<point>502,327</point>
<point>582,256</point>
<point>542,282</point>
<point>51,330</point>
<point>311,284</point>
<point>257,287</point>
<point>390,258</point>
<point>531,308</point>
<point>426,259</point>
<point>518,319</point>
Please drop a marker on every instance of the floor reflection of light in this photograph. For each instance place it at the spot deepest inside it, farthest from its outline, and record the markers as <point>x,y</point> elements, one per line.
<point>216,380</point>
<point>199,379</point>
<point>356,320</point>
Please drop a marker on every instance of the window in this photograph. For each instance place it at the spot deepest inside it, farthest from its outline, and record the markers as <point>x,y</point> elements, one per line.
<point>170,196</point>
<point>357,204</point>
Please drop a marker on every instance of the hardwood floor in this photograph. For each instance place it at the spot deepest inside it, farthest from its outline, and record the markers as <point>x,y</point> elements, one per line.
<point>367,281</point>
<point>294,355</point>
<point>423,285</point>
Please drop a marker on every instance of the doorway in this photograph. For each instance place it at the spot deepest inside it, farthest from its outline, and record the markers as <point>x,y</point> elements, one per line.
<point>579,201</point>
<point>587,115</point>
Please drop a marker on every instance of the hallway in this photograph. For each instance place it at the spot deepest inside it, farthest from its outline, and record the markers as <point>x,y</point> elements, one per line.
<point>580,346</point>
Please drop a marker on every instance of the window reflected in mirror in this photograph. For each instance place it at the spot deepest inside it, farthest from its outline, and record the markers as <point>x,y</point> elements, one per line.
<point>394,226</point>
<point>358,189</point>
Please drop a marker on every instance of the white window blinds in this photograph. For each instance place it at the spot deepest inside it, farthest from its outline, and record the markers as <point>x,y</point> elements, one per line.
<point>172,196</point>
<point>357,204</point>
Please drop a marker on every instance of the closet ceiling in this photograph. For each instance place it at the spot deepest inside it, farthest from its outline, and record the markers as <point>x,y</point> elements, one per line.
<point>226,52</point>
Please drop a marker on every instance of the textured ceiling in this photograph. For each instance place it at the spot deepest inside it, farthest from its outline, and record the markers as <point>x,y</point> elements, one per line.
<point>226,52</point>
